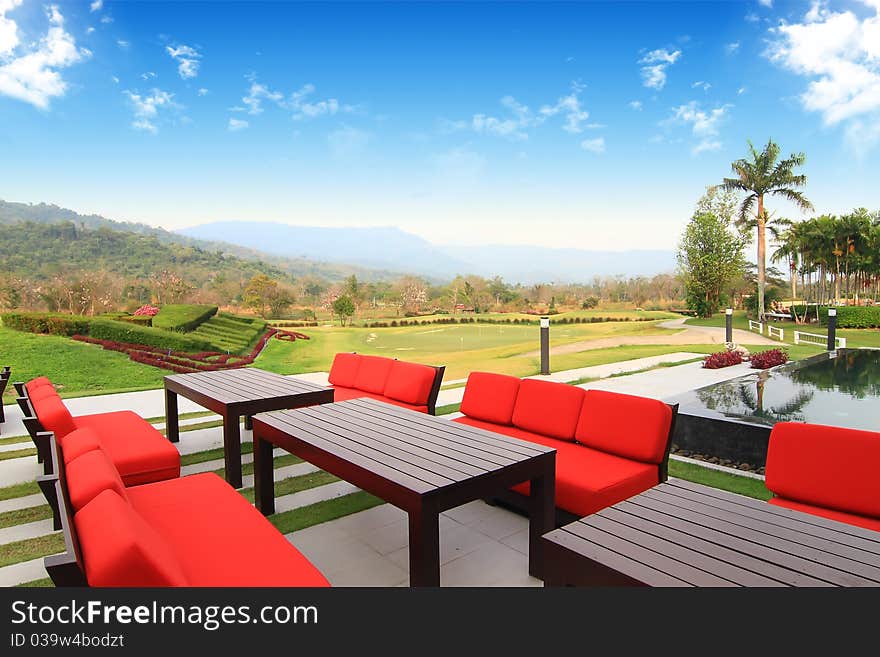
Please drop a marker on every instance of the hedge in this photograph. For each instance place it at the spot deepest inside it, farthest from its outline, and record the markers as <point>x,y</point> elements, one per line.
<point>489,320</point>
<point>183,317</point>
<point>847,316</point>
<point>54,323</point>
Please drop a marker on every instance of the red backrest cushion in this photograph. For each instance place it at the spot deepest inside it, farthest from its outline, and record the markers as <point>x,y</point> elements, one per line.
<point>373,373</point>
<point>626,425</point>
<point>39,382</point>
<point>490,397</point>
<point>88,475</point>
<point>409,382</point>
<point>119,548</point>
<point>53,415</point>
<point>344,369</point>
<point>825,466</point>
<point>78,442</point>
<point>548,408</point>
<point>41,393</point>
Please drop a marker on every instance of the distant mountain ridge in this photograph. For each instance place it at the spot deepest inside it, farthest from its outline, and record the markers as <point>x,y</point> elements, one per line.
<point>387,247</point>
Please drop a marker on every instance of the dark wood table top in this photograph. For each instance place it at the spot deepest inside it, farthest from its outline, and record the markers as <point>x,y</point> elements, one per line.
<point>415,451</point>
<point>240,386</point>
<point>684,534</point>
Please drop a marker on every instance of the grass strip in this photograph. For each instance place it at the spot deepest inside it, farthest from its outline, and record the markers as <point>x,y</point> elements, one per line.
<point>11,440</point>
<point>447,409</point>
<point>315,514</point>
<point>31,548</point>
<point>212,454</point>
<point>22,516</point>
<point>722,480</point>
<point>18,453</point>
<point>296,484</point>
<point>248,468</point>
<point>182,416</point>
<point>198,425</point>
<point>19,490</point>
<point>36,583</point>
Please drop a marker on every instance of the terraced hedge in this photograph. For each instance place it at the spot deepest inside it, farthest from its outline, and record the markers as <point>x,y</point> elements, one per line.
<point>230,332</point>
<point>183,317</point>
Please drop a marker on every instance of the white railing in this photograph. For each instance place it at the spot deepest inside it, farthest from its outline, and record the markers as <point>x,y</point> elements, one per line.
<point>756,326</point>
<point>814,338</point>
<point>774,332</point>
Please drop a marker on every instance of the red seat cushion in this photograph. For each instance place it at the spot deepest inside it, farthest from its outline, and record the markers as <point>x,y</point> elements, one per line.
<point>373,373</point>
<point>587,480</point>
<point>490,397</point>
<point>90,474</point>
<point>53,415</point>
<point>39,382</point>
<point>120,548</point>
<point>825,466</point>
<point>218,537</point>
<point>78,442</point>
<point>42,392</point>
<point>410,382</point>
<point>341,394</point>
<point>626,425</point>
<point>840,516</point>
<point>136,448</point>
<point>548,408</point>
<point>344,369</point>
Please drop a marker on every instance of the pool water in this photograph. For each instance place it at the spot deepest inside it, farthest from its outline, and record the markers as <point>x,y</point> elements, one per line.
<point>837,388</point>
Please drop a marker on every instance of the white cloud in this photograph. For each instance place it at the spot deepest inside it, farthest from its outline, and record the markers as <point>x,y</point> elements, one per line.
<point>236,124</point>
<point>741,91</point>
<point>636,105</point>
<point>149,75</point>
<point>299,102</point>
<point>654,67</point>
<point>839,53</point>
<point>187,59</point>
<point>122,44</point>
<point>147,108</point>
<point>97,5</point>
<point>732,48</point>
<point>90,30</point>
<point>752,17</point>
<point>203,92</point>
<point>115,79</point>
<point>766,3</point>
<point>256,95</point>
<point>348,142</point>
<point>31,72</point>
<point>700,84</point>
<point>704,125</point>
<point>106,19</point>
<point>570,107</point>
<point>596,145</point>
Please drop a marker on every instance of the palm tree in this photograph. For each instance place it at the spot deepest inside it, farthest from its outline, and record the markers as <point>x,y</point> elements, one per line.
<point>761,175</point>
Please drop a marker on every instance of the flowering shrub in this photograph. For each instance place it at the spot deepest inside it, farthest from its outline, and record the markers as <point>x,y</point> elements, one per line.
<point>148,310</point>
<point>290,336</point>
<point>722,359</point>
<point>770,358</point>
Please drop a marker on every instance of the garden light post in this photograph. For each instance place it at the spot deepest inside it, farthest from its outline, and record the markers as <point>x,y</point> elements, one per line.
<point>545,345</point>
<point>832,328</point>
<point>728,334</point>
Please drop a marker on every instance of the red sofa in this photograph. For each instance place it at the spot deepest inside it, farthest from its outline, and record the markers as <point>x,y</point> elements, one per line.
<point>830,472</point>
<point>398,382</point>
<point>140,453</point>
<point>194,531</point>
<point>609,446</point>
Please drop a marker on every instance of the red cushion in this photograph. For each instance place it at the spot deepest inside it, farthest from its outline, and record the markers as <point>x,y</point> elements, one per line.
<point>410,382</point>
<point>39,382</point>
<point>119,548</point>
<point>825,466</point>
<point>42,392</point>
<point>341,394</point>
<point>90,474</point>
<point>137,449</point>
<point>344,369</point>
<point>840,516</point>
<point>626,425</point>
<point>78,442</point>
<point>587,480</point>
<point>218,537</point>
<point>373,373</point>
<point>548,408</point>
<point>490,397</point>
<point>53,415</point>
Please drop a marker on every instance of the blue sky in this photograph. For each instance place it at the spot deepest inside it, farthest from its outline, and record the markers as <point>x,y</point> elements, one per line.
<point>591,125</point>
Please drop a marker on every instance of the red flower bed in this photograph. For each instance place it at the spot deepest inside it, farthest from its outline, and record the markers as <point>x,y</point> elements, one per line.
<point>148,310</point>
<point>769,358</point>
<point>722,359</point>
<point>290,336</point>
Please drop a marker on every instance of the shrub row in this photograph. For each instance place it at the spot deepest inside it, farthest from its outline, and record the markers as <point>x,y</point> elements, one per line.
<point>183,317</point>
<point>53,323</point>
<point>491,320</point>
<point>722,359</point>
<point>847,316</point>
<point>294,324</point>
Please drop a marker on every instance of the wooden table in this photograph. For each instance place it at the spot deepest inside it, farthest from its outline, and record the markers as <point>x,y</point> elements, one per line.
<point>233,393</point>
<point>419,463</point>
<point>685,534</point>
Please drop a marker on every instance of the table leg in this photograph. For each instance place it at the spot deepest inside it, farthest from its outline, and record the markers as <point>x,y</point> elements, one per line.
<point>424,547</point>
<point>172,427</point>
<point>232,449</point>
<point>542,512</point>
<point>248,422</point>
<point>264,476</point>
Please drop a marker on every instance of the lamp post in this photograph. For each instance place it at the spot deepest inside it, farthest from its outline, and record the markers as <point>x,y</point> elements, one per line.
<point>728,334</point>
<point>545,345</point>
<point>832,328</point>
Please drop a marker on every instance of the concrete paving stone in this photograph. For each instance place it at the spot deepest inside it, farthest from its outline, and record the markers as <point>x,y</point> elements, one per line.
<point>519,541</point>
<point>370,571</point>
<point>492,564</point>
<point>378,516</point>
<point>314,495</point>
<point>499,523</point>
<point>25,571</point>
<point>25,531</point>
<point>23,502</point>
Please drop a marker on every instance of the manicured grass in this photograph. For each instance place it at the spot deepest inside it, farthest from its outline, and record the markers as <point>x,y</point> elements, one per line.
<point>46,582</point>
<point>448,408</point>
<point>314,514</point>
<point>19,490</point>
<point>31,548</point>
<point>248,468</point>
<point>198,425</point>
<point>181,416</point>
<point>230,333</point>
<point>295,484</point>
<point>22,516</point>
<point>717,479</point>
<point>211,454</point>
<point>11,440</point>
<point>17,453</point>
<point>182,316</point>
